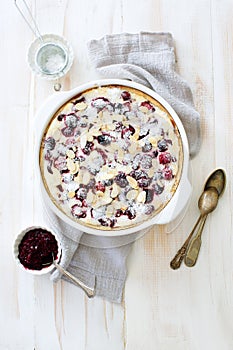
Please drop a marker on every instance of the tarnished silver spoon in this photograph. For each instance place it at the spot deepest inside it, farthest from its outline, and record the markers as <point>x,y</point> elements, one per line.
<point>208,201</point>
<point>90,292</point>
<point>216,182</point>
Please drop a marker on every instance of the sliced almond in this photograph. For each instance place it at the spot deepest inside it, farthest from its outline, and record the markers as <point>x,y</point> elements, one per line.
<point>127,169</point>
<point>77,178</point>
<point>132,194</point>
<point>135,136</point>
<point>108,215</point>
<point>120,167</point>
<point>100,201</point>
<point>151,172</point>
<point>159,182</point>
<point>104,125</point>
<point>100,114</point>
<point>83,140</point>
<point>90,197</point>
<point>115,191</point>
<point>153,141</point>
<point>105,167</point>
<point>99,193</point>
<point>118,117</point>
<point>141,198</point>
<point>106,200</point>
<point>110,127</point>
<point>56,134</point>
<point>133,148</point>
<point>133,183</point>
<point>80,176</point>
<point>86,178</point>
<point>93,155</point>
<point>96,204</point>
<point>76,169</point>
<point>110,210</point>
<point>71,165</point>
<point>68,108</point>
<point>113,147</point>
<point>123,207</point>
<point>89,138</point>
<point>109,175</point>
<point>116,204</point>
<point>55,180</point>
<point>143,109</point>
<point>81,106</point>
<point>120,155</point>
<point>141,142</point>
<point>71,194</point>
<point>70,154</point>
<point>94,132</point>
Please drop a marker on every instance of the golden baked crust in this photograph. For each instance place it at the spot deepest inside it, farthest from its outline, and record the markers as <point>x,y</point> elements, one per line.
<point>111,157</point>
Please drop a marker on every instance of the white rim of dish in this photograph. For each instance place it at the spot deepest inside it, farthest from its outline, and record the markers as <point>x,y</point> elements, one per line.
<point>19,238</point>
<point>51,106</point>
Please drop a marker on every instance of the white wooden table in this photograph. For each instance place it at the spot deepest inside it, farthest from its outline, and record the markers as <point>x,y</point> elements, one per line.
<point>188,309</point>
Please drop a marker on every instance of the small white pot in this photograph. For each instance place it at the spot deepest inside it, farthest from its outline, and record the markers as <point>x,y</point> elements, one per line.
<point>183,191</point>
<point>16,244</point>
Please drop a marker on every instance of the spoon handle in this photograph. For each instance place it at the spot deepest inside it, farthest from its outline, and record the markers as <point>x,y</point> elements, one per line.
<point>178,258</point>
<point>195,245</point>
<point>90,292</point>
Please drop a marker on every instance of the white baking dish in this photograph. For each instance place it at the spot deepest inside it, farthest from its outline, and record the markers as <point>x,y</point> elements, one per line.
<point>182,193</point>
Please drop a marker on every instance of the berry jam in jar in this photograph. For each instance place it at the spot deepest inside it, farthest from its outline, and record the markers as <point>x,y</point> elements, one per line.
<point>37,249</point>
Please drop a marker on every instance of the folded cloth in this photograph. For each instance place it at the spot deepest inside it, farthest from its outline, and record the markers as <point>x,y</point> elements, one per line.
<point>147,58</point>
<point>99,262</point>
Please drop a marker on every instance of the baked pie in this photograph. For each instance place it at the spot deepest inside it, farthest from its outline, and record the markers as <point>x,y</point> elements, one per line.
<point>111,157</point>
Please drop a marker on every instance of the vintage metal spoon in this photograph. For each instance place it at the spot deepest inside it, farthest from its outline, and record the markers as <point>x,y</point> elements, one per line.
<point>207,203</point>
<point>217,180</point>
<point>205,208</point>
<point>215,183</point>
<point>90,292</point>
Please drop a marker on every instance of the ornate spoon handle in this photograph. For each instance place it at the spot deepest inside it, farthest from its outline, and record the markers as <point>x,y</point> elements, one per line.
<point>89,291</point>
<point>195,245</point>
<point>179,257</point>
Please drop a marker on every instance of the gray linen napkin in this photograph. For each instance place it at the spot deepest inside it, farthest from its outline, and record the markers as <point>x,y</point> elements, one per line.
<point>97,261</point>
<point>147,58</point>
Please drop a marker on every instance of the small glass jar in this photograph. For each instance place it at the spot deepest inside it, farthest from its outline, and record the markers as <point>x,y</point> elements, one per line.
<point>50,56</point>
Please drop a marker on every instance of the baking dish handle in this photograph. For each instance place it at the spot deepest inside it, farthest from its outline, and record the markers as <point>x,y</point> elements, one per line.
<point>177,205</point>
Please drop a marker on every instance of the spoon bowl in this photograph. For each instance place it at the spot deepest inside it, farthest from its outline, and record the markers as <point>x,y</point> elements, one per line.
<point>208,201</point>
<point>217,179</point>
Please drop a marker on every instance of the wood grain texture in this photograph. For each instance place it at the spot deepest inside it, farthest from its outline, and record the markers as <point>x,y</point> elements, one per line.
<point>188,309</point>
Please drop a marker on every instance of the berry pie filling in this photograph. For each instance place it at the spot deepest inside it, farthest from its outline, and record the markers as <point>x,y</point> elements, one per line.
<point>37,249</point>
<point>111,158</point>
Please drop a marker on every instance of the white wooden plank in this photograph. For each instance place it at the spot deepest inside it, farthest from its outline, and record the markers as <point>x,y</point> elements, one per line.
<point>170,297</point>
<point>162,309</point>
